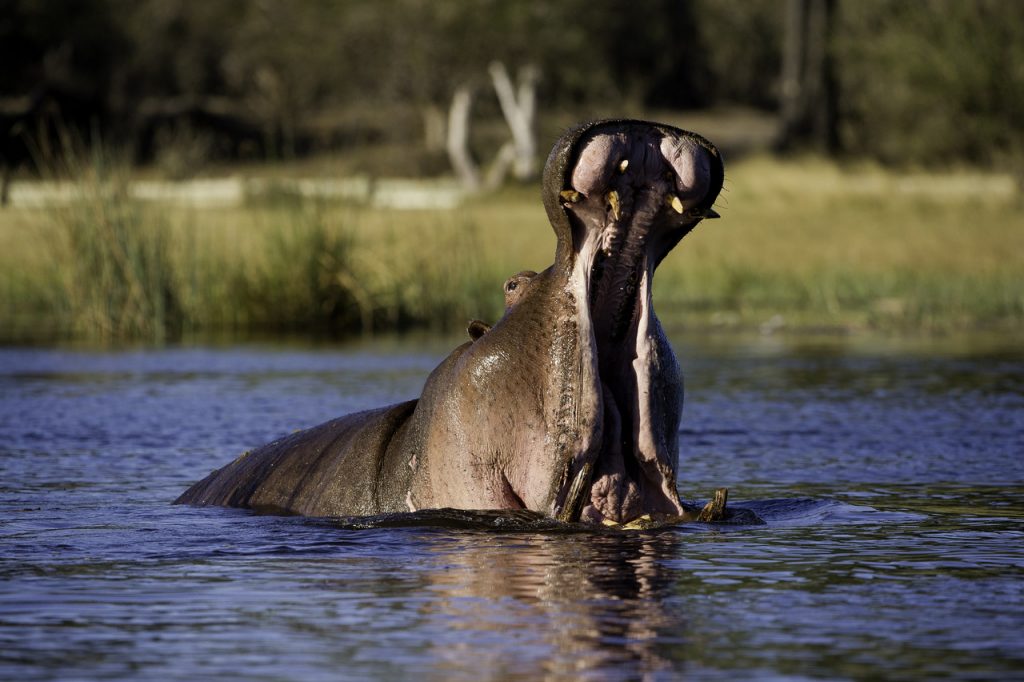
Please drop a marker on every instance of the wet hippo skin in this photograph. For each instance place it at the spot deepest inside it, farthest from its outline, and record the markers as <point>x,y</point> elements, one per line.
<point>568,406</point>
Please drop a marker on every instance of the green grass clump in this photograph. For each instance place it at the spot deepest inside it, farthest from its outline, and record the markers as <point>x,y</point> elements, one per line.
<point>108,267</point>
<point>802,244</point>
<point>113,263</point>
<point>855,248</point>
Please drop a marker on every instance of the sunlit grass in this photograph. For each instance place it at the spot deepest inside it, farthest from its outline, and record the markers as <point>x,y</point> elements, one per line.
<point>801,244</point>
<point>857,247</point>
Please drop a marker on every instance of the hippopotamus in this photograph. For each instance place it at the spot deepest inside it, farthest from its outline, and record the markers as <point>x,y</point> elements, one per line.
<point>568,406</point>
<point>514,288</point>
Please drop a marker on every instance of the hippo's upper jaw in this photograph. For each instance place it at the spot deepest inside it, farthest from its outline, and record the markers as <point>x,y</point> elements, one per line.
<point>630,191</point>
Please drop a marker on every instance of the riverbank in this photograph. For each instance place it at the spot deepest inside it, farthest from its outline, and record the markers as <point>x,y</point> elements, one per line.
<point>802,245</point>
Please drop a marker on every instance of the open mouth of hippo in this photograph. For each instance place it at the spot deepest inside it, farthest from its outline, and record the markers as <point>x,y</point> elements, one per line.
<point>631,193</point>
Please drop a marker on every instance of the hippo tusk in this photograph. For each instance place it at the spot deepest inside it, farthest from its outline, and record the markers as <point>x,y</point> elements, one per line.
<point>613,201</point>
<point>578,491</point>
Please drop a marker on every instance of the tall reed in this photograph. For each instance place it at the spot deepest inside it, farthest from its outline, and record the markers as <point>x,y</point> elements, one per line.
<point>129,269</point>
<point>800,245</point>
<point>113,258</point>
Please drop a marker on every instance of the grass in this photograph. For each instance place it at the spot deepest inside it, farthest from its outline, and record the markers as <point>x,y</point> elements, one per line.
<point>802,244</point>
<point>823,246</point>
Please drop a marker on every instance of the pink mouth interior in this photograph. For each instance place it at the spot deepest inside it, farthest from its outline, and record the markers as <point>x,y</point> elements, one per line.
<point>632,231</point>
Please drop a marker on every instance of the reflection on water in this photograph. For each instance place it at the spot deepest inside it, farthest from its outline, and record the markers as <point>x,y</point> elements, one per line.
<point>563,605</point>
<point>892,486</point>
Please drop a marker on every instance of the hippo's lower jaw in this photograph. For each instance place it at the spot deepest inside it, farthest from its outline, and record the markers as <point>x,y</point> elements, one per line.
<point>631,198</point>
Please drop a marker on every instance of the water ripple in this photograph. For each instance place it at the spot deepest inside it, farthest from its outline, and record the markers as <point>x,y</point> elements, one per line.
<point>891,486</point>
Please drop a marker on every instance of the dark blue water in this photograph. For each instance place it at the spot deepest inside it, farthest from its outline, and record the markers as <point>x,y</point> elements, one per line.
<point>891,478</point>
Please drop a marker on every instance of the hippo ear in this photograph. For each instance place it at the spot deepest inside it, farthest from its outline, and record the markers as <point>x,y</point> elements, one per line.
<point>477,328</point>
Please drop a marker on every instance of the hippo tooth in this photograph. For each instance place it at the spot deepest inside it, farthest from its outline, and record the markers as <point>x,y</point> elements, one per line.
<point>570,195</point>
<point>624,165</point>
<point>712,213</point>
<point>675,203</point>
<point>574,499</point>
<point>640,523</point>
<point>613,201</point>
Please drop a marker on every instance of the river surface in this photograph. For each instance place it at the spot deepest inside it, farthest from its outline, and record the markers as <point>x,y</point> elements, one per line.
<point>890,477</point>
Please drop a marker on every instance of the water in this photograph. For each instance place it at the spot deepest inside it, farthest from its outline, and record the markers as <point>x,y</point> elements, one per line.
<point>891,479</point>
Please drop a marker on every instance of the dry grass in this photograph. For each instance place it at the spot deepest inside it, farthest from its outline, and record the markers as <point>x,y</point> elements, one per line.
<point>803,243</point>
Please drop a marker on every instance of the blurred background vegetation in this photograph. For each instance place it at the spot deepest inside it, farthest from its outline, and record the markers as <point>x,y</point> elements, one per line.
<point>875,158</point>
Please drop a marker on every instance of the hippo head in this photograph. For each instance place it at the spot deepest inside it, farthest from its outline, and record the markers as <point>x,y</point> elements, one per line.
<point>606,179</point>
<point>620,195</point>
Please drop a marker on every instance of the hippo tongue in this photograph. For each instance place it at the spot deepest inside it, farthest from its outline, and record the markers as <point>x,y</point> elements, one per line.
<point>634,194</point>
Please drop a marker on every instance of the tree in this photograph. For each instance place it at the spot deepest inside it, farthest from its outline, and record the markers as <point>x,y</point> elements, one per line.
<point>807,98</point>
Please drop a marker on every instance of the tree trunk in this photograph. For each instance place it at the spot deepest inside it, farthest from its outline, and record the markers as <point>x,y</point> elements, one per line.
<point>820,83</point>
<point>498,169</point>
<point>807,110</point>
<point>792,71</point>
<point>519,110</point>
<point>458,138</point>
